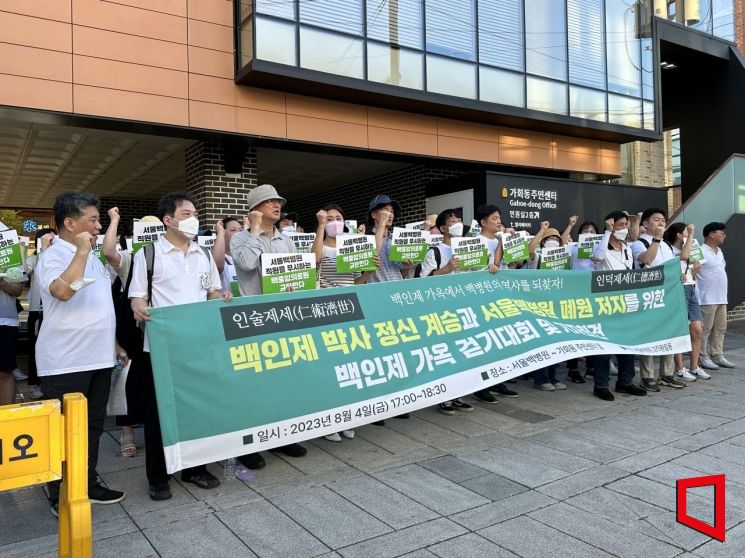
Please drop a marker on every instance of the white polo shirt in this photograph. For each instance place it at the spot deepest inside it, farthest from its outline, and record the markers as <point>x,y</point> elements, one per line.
<point>178,278</point>
<point>78,334</point>
<point>711,281</point>
<point>606,258</point>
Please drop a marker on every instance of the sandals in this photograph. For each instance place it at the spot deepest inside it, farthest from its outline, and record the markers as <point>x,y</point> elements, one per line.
<point>127,447</point>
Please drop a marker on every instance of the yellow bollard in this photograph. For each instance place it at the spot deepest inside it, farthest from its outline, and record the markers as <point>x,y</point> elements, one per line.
<point>75,531</point>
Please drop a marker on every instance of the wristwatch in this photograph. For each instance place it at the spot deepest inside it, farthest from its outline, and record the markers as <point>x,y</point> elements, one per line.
<point>657,240</point>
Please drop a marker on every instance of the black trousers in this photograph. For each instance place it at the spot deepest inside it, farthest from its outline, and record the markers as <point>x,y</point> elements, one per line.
<point>95,385</point>
<point>34,324</point>
<point>155,460</point>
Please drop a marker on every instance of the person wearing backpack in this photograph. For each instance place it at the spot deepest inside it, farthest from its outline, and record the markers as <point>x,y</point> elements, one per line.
<point>173,270</point>
<point>651,250</point>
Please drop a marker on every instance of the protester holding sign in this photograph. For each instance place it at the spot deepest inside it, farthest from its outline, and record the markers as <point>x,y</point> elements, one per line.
<point>9,292</point>
<point>680,237</point>
<point>76,348</point>
<point>382,211</point>
<point>175,270</point>
<point>224,231</point>
<point>260,236</point>
<point>612,253</point>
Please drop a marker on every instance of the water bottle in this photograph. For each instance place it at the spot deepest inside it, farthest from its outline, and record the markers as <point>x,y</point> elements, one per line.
<point>118,368</point>
<point>229,468</point>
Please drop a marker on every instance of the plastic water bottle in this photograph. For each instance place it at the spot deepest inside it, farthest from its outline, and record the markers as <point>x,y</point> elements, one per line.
<point>229,468</point>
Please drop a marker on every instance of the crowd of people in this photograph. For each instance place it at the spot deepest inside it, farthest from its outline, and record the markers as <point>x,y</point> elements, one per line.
<point>89,313</point>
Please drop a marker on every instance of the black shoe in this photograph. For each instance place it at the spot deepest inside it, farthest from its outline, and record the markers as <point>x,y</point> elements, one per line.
<point>403,416</point>
<point>603,393</point>
<point>204,480</point>
<point>292,450</point>
<point>379,423</point>
<point>252,461</point>
<point>54,508</point>
<point>485,397</point>
<point>575,377</point>
<point>98,494</point>
<point>631,389</point>
<point>501,389</point>
<point>160,491</point>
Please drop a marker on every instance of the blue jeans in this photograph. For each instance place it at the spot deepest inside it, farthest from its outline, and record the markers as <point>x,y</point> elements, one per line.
<point>545,375</point>
<point>625,370</point>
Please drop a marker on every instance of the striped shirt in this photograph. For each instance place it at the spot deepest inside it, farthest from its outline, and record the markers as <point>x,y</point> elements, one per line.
<point>328,276</point>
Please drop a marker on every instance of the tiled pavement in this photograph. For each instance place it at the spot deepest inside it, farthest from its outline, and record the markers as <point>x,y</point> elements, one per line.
<point>559,474</point>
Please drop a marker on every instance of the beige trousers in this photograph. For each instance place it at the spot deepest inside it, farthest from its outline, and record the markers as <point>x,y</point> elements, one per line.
<point>715,326</point>
<point>646,366</point>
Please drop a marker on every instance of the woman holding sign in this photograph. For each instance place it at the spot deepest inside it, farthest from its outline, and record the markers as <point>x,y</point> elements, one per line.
<point>330,225</point>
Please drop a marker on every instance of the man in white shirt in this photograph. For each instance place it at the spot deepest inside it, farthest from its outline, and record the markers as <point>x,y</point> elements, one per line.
<point>76,348</point>
<point>650,251</point>
<point>711,288</point>
<point>612,253</point>
<point>182,273</point>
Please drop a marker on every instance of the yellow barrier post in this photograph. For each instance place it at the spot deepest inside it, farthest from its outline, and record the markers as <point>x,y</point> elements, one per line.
<point>75,531</point>
<point>39,444</point>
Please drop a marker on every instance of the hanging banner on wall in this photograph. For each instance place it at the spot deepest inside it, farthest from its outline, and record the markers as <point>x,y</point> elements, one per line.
<point>275,369</point>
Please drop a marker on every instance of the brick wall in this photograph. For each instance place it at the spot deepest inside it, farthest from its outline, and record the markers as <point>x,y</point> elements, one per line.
<point>215,193</point>
<point>129,209</point>
<point>740,24</point>
<point>406,186</point>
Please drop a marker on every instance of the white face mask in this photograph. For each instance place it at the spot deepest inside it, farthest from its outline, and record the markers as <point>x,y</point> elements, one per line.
<point>289,229</point>
<point>622,234</point>
<point>189,226</point>
<point>551,243</point>
<point>456,230</point>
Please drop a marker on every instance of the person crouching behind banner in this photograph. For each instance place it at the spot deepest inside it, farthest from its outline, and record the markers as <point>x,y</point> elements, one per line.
<point>612,253</point>
<point>439,260</point>
<point>260,236</point>
<point>331,224</point>
<point>182,272</point>
<point>545,378</point>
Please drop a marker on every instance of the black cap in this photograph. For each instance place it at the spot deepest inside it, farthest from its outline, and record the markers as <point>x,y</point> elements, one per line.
<point>713,227</point>
<point>292,216</point>
<point>381,200</point>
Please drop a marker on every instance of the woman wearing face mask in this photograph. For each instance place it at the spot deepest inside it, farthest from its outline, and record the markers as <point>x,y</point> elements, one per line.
<point>680,237</point>
<point>573,374</point>
<point>545,378</point>
<point>330,225</point>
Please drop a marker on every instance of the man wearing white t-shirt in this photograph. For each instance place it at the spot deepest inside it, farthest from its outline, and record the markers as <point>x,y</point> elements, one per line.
<point>182,273</point>
<point>711,288</point>
<point>649,251</point>
<point>76,348</point>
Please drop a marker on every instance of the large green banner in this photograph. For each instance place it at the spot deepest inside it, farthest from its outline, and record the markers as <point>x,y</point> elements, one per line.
<point>265,371</point>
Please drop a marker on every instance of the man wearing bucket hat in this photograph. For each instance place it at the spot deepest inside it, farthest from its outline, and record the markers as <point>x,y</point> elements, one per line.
<point>260,236</point>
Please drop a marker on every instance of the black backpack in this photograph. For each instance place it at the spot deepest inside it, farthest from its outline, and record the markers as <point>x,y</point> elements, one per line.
<point>438,261</point>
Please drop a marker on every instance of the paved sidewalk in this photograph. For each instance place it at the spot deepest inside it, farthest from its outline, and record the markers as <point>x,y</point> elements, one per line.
<point>558,474</point>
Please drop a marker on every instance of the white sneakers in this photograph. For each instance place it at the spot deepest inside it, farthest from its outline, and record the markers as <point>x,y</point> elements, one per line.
<point>706,362</point>
<point>349,434</point>
<point>36,393</point>
<point>19,376</point>
<point>722,362</point>
<point>700,373</point>
<point>684,375</point>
